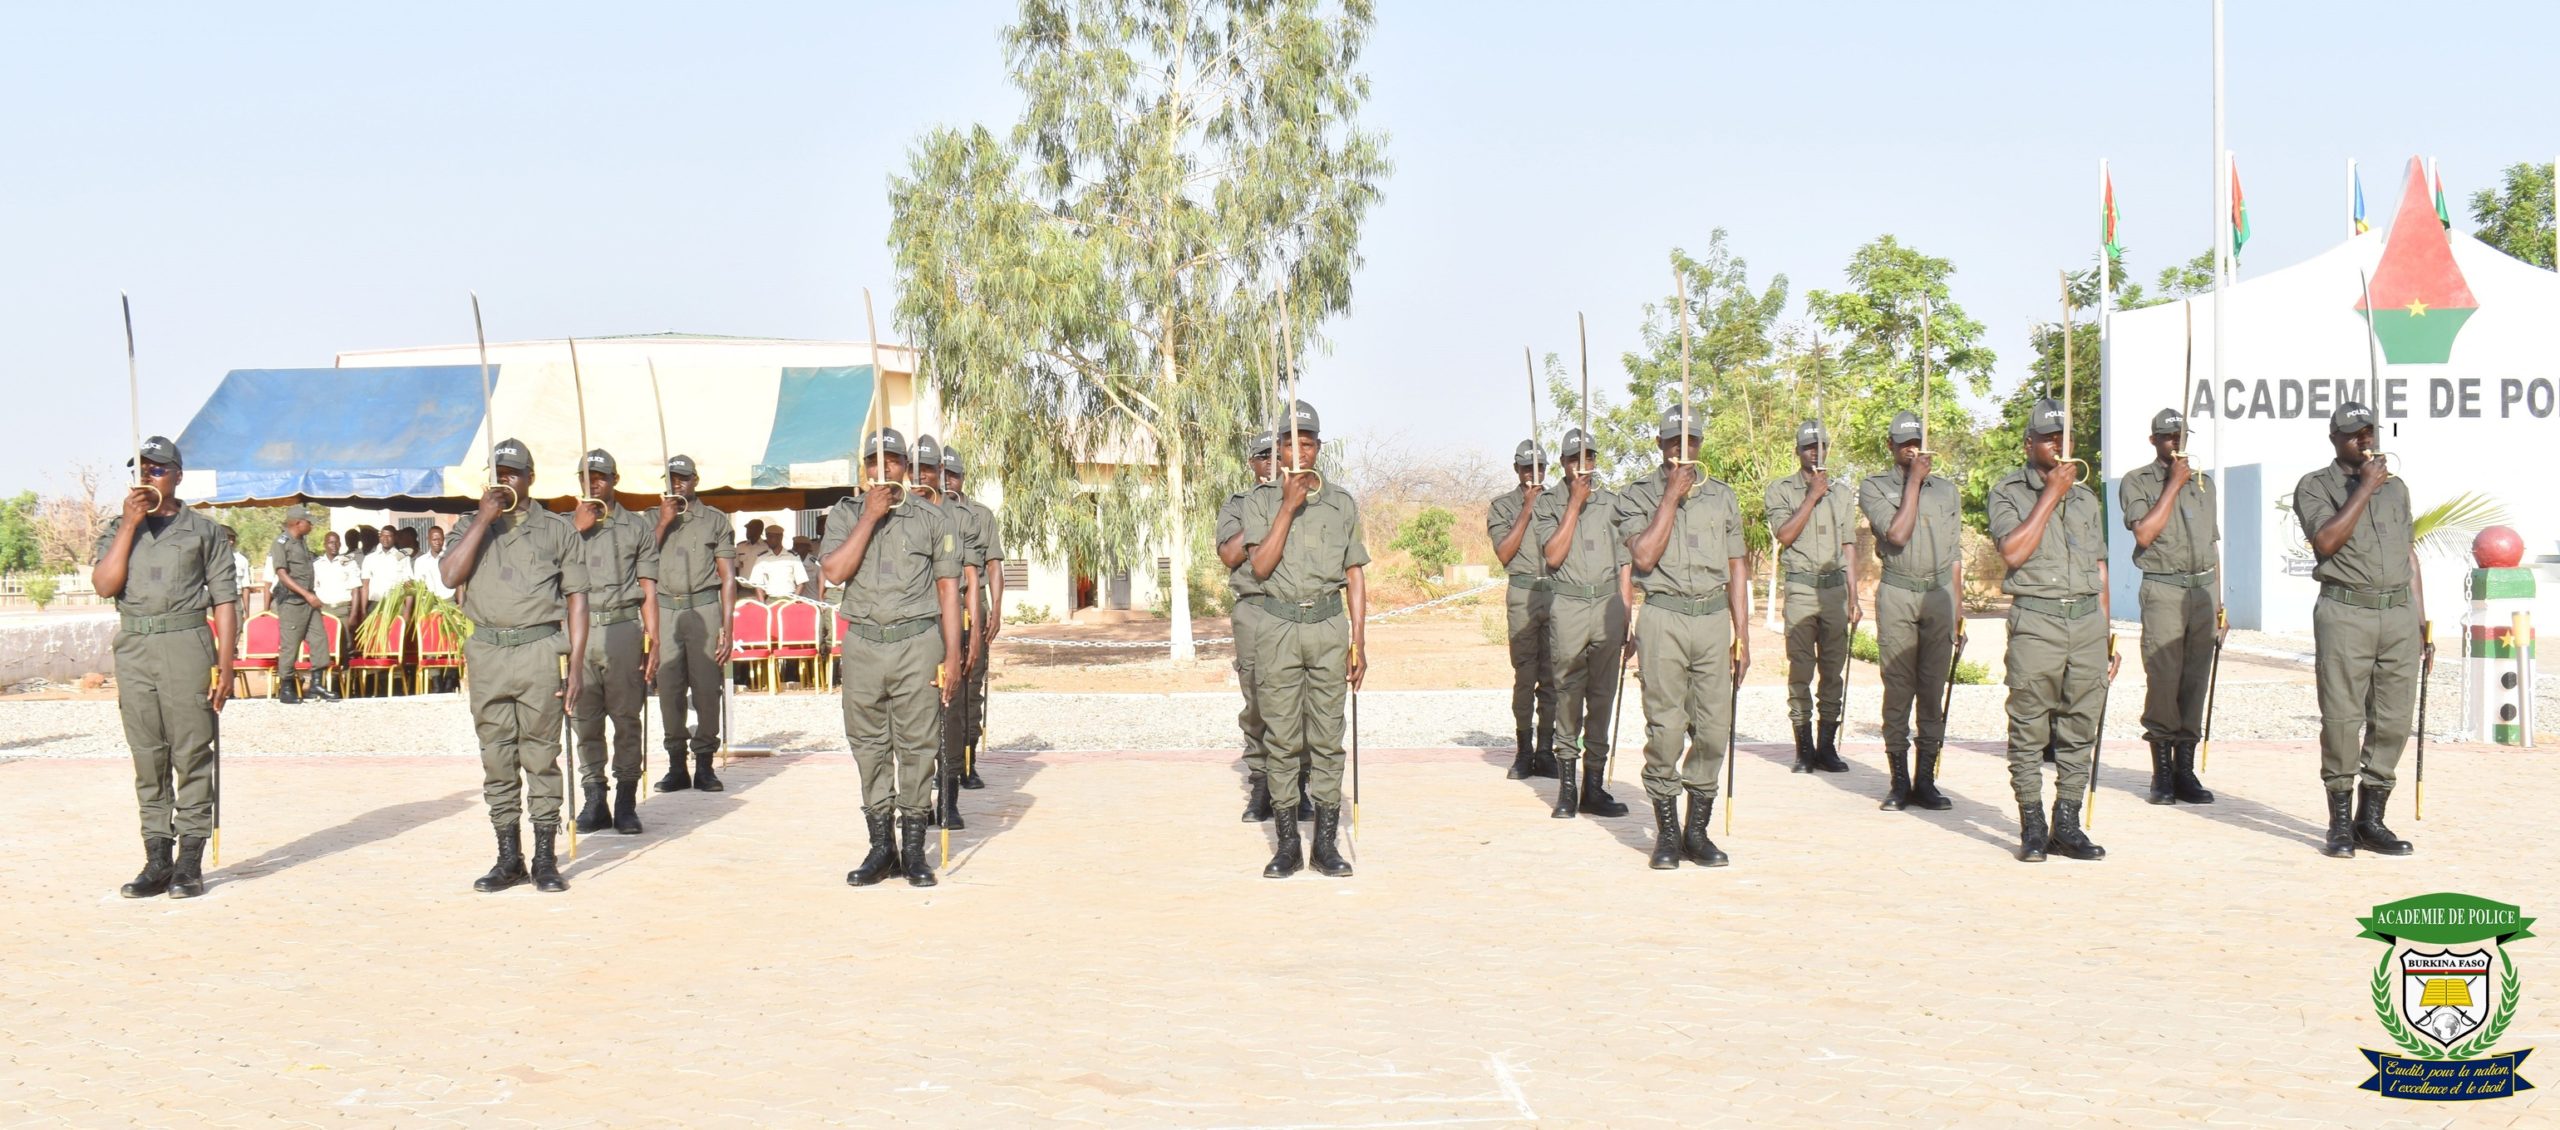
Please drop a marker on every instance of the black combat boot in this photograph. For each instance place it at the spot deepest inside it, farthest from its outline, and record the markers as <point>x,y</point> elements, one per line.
<point>593,814</point>
<point>2068,840</point>
<point>1542,756</point>
<point>2341,841</point>
<point>1826,750</point>
<point>969,778</point>
<point>2164,773</point>
<point>2370,834</point>
<point>1257,798</point>
<point>676,780</point>
<point>884,849</point>
<point>1666,833</point>
<point>946,802</point>
<point>186,880</point>
<point>2031,831</point>
<point>703,779</point>
<point>2189,789</point>
<point>323,685</point>
<point>1804,748</point>
<point>915,859</point>
<point>546,868</point>
<point>626,807</point>
<point>154,879</point>
<point>1285,856</point>
<point>289,688</point>
<point>1924,781</point>
<point>509,870</point>
<point>1568,791</point>
<point>1595,792</point>
<point>1898,793</point>
<point>1321,853</point>
<point>1521,755</point>
<point>1694,844</point>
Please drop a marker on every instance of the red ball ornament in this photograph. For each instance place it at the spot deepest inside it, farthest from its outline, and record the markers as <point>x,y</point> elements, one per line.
<point>2498,547</point>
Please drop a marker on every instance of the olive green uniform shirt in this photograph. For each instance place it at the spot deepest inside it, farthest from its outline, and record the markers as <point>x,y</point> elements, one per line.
<point>529,566</point>
<point>688,559</point>
<point>2375,556</point>
<point>1834,521</point>
<point>911,549</point>
<point>289,557</point>
<point>1706,534</point>
<point>179,564</point>
<point>2065,563</point>
<point>1592,560</point>
<point>2189,543</point>
<point>1501,514</point>
<point>1937,533</point>
<point>1324,543</point>
<point>621,551</point>
<point>1240,579</point>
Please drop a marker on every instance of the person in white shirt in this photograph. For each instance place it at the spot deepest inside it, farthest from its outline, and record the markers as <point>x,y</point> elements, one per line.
<point>333,580</point>
<point>806,549</point>
<point>430,564</point>
<point>382,570</point>
<point>778,574</point>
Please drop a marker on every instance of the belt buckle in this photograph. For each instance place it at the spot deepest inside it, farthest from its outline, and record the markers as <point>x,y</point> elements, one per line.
<point>1306,604</point>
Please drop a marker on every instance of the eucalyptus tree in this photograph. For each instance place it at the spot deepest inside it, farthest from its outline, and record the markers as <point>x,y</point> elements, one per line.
<point>1100,289</point>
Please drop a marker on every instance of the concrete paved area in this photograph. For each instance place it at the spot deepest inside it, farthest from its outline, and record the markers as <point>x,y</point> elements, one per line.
<point>1106,953</point>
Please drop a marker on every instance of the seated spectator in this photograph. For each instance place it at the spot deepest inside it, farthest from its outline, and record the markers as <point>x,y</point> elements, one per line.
<point>777,574</point>
<point>431,563</point>
<point>334,578</point>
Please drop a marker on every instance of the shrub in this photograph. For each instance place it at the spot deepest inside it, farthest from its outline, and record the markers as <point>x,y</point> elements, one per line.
<point>1030,614</point>
<point>1425,537</point>
<point>1862,645</point>
<point>41,589</point>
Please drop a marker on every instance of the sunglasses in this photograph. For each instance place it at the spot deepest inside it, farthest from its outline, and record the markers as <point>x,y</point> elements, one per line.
<point>155,471</point>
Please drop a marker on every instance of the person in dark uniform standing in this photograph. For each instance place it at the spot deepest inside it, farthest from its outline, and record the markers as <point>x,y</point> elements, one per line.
<point>955,521</point>
<point>1303,543</point>
<point>2368,629</point>
<point>1684,541</point>
<point>1586,566</point>
<point>1533,671</point>
<point>985,612</point>
<point>166,567</point>
<point>621,551</point>
<point>297,609</point>
<point>1243,621</point>
<point>2047,527</point>
<point>2177,544</point>
<point>900,568</point>
<point>1816,529</point>
<point>697,585</point>
<point>534,585</point>
<point>1918,524</point>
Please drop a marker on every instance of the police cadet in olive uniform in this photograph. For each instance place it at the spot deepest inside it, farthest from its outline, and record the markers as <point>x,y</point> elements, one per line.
<point>2169,507</point>
<point>1685,548</point>
<point>166,566</point>
<point>1243,621</point>
<point>1586,566</point>
<point>527,579</point>
<point>1303,543</point>
<point>621,550</point>
<point>1533,671</point>
<point>946,758</point>
<point>986,612</point>
<point>697,585</point>
<point>900,568</point>
<point>297,610</point>
<point>1816,528</point>
<point>1919,529</point>
<point>2047,526</point>
<point>2367,628</point>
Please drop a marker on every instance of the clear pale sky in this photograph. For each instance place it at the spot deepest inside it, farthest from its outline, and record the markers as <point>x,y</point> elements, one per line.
<point>275,183</point>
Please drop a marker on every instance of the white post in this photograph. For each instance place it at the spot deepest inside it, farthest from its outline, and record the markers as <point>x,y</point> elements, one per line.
<point>2222,270</point>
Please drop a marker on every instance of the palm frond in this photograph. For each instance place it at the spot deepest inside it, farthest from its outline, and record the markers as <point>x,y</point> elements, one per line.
<point>2446,529</point>
<point>420,603</point>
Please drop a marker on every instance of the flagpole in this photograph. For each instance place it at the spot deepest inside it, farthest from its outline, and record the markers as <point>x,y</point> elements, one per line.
<point>2222,260</point>
<point>2351,198</point>
<point>2106,284</point>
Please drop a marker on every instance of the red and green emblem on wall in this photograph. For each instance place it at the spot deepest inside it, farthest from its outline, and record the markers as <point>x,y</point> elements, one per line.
<point>2419,297</point>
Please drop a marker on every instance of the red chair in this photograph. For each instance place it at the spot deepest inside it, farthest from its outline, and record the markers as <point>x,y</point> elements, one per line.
<point>438,650</point>
<point>258,650</point>
<point>795,637</point>
<point>751,636</point>
<point>385,665</point>
<point>329,631</point>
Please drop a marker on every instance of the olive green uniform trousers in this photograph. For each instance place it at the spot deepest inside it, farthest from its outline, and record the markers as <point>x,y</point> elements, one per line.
<point>1301,673</point>
<point>1915,646</point>
<point>2177,660</point>
<point>1687,663</point>
<point>685,670</point>
<point>1533,671</point>
<point>2057,683</point>
<point>517,713</point>
<point>612,689</point>
<point>1817,646</point>
<point>161,682</point>
<point>1246,623</point>
<point>1585,637</point>
<point>893,717</point>
<point>295,623</point>
<point>2368,669</point>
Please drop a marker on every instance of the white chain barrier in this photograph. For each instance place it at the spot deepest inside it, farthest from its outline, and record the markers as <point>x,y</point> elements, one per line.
<point>1142,645</point>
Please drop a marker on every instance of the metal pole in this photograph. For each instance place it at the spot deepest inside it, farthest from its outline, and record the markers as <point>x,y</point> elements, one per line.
<point>2098,745</point>
<point>2222,265</point>
<point>133,386</point>
<point>488,401</point>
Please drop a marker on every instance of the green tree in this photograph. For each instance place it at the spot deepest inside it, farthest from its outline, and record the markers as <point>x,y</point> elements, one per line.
<point>2516,216</point>
<point>1099,285</point>
<point>19,548</point>
<point>2188,279</point>
<point>1425,537</point>
<point>1877,370</point>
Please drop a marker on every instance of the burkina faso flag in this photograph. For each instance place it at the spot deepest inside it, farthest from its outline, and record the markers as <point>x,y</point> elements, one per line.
<point>2419,297</point>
